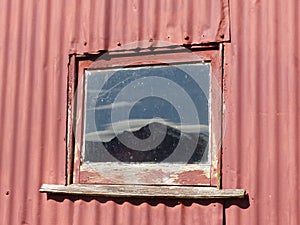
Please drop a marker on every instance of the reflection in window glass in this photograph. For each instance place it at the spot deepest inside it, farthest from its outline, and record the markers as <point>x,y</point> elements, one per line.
<point>154,114</point>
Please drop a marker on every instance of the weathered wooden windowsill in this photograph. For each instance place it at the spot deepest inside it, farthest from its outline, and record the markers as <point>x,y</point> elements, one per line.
<point>143,191</point>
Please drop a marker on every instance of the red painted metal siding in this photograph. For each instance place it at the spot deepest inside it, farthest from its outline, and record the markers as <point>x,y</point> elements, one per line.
<point>36,39</point>
<point>261,90</point>
<point>262,124</point>
<point>104,24</point>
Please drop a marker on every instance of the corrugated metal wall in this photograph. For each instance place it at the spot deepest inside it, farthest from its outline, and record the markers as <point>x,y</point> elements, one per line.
<point>260,88</point>
<point>261,144</point>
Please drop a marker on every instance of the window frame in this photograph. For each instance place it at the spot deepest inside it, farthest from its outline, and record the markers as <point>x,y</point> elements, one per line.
<point>78,64</point>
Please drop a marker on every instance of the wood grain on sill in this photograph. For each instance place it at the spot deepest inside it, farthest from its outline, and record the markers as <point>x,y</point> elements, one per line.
<point>143,191</point>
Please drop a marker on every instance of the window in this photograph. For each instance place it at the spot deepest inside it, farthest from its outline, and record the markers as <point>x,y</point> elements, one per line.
<point>146,122</point>
<point>141,120</point>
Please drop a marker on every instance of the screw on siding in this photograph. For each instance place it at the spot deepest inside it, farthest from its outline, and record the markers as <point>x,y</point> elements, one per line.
<point>118,43</point>
<point>186,37</point>
<point>222,36</point>
<point>150,40</point>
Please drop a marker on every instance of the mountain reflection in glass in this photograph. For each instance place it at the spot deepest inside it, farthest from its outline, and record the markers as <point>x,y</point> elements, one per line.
<point>153,114</point>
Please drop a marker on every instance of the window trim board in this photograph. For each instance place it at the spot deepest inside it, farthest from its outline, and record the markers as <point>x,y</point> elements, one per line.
<point>147,191</point>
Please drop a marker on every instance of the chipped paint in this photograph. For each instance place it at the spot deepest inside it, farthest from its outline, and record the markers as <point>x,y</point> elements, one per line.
<point>94,177</point>
<point>154,176</point>
<point>167,174</point>
<point>193,177</point>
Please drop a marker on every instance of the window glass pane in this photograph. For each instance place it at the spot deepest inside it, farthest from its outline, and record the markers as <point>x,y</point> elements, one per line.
<point>154,114</point>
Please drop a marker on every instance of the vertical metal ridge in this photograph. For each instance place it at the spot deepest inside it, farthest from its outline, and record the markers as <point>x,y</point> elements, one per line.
<point>15,116</point>
<point>292,115</point>
<point>279,95</point>
<point>255,165</point>
<point>4,137</point>
<point>25,150</point>
<point>295,120</point>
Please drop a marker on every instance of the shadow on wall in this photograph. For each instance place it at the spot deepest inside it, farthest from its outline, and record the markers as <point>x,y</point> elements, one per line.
<point>242,203</point>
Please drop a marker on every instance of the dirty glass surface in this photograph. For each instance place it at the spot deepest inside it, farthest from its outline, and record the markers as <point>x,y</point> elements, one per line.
<point>153,114</point>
